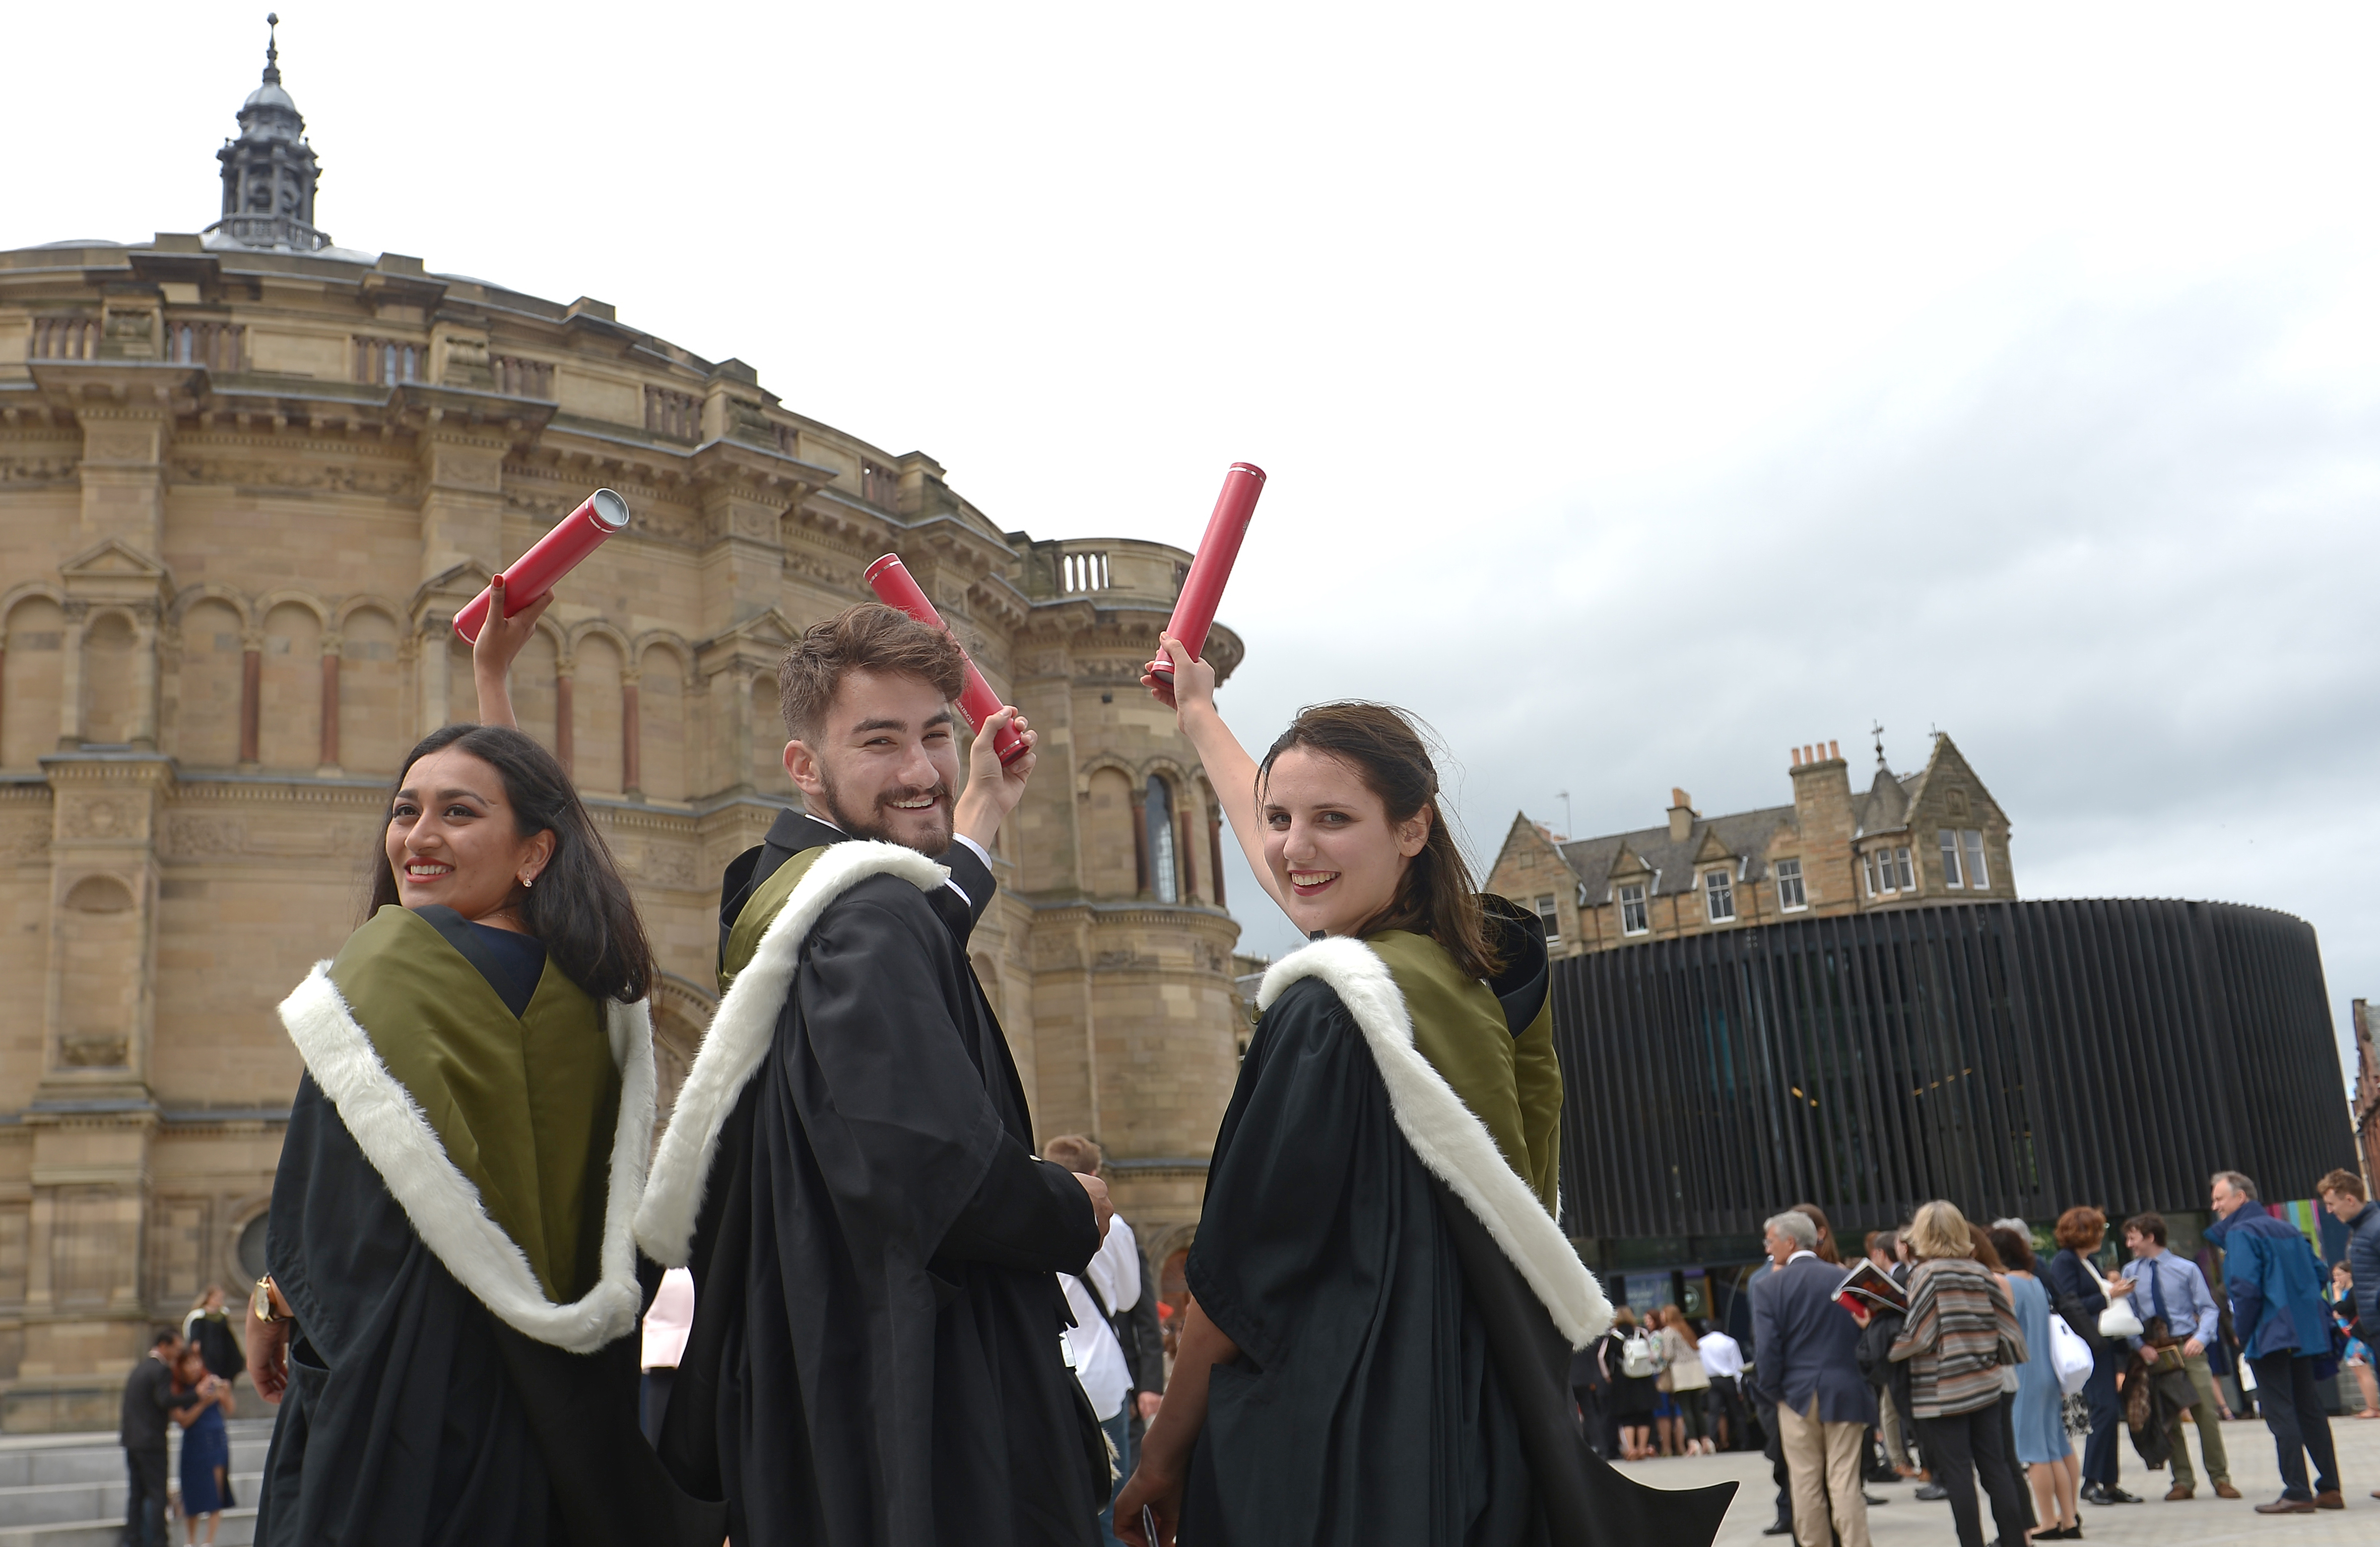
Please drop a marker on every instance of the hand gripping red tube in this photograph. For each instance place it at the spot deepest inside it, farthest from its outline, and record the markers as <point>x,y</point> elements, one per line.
<point>1202,591</point>
<point>556,555</point>
<point>896,587</point>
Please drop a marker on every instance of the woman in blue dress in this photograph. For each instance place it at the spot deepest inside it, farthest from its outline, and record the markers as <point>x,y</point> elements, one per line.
<point>206,1444</point>
<point>2038,1412</point>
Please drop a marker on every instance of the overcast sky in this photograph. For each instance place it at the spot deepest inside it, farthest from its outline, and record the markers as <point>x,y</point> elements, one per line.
<point>1644,389</point>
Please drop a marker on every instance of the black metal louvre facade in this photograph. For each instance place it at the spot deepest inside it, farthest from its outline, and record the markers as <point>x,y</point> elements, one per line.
<point>2015,1058</point>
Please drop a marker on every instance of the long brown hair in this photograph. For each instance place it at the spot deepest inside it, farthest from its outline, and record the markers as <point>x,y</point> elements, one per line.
<point>1384,746</point>
<point>1672,1316</point>
<point>1826,1248</point>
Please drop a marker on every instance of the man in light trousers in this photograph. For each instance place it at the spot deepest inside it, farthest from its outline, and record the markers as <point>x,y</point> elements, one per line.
<point>1808,1376</point>
<point>2170,1288</point>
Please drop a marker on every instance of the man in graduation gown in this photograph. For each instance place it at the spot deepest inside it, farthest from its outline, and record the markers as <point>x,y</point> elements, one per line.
<point>876,1354</point>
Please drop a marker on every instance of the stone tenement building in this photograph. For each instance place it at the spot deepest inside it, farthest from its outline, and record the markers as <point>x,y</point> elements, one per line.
<point>1929,836</point>
<point>246,480</point>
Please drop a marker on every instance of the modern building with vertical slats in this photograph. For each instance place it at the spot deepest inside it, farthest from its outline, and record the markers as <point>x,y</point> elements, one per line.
<point>2017,1057</point>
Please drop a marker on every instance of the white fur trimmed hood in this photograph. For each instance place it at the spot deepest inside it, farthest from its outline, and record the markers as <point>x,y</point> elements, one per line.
<point>1452,1142</point>
<point>740,1033</point>
<point>444,1207</point>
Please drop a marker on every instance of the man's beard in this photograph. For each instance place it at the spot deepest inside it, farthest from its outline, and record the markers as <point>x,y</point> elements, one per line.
<point>877,823</point>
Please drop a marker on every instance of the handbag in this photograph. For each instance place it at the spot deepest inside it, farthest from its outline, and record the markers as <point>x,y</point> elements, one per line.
<point>2069,1356</point>
<point>2119,1320</point>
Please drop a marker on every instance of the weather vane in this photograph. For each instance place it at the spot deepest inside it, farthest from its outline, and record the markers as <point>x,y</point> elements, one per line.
<point>1877,729</point>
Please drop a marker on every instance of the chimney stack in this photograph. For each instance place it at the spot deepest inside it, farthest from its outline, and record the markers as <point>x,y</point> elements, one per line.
<point>1681,814</point>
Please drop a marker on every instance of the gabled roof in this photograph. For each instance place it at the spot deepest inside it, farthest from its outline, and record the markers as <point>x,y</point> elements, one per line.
<point>1744,835</point>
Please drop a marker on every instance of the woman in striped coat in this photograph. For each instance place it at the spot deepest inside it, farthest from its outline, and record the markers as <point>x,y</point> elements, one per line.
<point>1961,1331</point>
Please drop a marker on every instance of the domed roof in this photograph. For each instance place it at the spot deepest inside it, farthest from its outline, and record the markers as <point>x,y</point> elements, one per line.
<point>270,94</point>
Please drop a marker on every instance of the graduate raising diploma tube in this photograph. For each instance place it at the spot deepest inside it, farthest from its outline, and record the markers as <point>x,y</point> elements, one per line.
<point>448,1321</point>
<point>1377,1346</point>
<point>849,1173</point>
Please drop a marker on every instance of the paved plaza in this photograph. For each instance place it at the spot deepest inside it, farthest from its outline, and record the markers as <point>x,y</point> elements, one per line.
<point>2205,1521</point>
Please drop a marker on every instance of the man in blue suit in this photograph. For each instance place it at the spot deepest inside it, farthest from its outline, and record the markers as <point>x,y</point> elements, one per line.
<point>1807,1380</point>
<point>2284,1329</point>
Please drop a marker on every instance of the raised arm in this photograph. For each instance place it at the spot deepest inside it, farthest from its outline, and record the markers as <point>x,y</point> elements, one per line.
<point>493,653</point>
<point>1229,768</point>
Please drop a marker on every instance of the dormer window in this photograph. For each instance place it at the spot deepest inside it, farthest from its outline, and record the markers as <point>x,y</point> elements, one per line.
<point>1719,896</point>
<point>1887,871</point>
<point>1632,908</point>
<point>1791,897</point>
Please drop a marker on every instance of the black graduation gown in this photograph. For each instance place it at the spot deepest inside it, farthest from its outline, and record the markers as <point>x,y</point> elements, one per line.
<point>874,1357</point>
<point>1398,1383</point>
<point>446,1426</point>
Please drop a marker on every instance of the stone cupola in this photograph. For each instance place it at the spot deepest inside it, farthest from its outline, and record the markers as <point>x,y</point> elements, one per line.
<point>269,172</point>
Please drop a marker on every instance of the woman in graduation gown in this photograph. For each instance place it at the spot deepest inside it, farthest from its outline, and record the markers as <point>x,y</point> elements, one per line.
<point>1377,1348</point>
<point>448,1324</point>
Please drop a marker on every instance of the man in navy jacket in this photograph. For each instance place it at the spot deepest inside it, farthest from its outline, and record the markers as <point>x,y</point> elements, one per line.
<point>2284,1329</point>
<point>2342,1195</point>
<point>1808,1383</point>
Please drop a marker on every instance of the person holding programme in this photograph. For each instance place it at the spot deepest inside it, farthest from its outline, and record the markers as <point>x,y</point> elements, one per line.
<point>1805,1375</point>
<point>1378,1286</point>
<point>1960,1331</point>
<point>849,1169</point>
<point>448,1322</point>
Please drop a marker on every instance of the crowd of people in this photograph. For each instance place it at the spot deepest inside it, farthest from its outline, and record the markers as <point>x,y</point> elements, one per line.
<point>2004,1378</point>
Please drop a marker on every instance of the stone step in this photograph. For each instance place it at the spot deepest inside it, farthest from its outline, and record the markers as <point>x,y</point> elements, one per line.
<point>51,1504</point>
<point>102,1463</point>
<point>238,1529</point>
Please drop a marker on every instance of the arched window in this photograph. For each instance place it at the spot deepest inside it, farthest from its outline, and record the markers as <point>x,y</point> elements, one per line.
<point>1162,872</point>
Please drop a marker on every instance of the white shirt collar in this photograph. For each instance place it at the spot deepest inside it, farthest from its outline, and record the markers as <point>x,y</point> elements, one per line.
<point>1806,1252</point>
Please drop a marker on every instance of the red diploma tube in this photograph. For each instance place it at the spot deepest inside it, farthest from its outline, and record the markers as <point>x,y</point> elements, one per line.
<point>556,554</point>
<point>896,587</point>
<point>1202,591</point>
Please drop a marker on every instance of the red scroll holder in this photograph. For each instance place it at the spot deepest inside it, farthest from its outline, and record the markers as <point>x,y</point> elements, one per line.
<point>1202,590</point>
<point>896,587</point>
<point>556,554</point>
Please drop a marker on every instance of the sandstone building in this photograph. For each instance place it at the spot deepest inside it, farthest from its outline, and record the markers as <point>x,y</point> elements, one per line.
<point>246,477</point>
<point>1933,836</point>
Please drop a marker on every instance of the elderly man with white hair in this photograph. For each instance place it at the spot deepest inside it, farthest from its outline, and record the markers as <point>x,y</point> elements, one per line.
<point>1808,1383</point>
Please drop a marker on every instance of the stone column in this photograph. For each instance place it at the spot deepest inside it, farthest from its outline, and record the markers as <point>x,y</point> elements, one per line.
<point>331,646</point>
<point>632,738</point>
<point>251,698</point>
<point>70,675</point>
<point>566,732</point>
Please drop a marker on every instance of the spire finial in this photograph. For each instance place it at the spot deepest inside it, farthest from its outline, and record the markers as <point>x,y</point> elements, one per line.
<point>1877,729</point>
<point>271,48</point>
